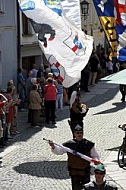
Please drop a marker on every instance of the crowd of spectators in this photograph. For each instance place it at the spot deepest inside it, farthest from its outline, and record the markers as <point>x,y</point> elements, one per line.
<point>41,91</point>
<point>99,65</point>
<point>9,102</point>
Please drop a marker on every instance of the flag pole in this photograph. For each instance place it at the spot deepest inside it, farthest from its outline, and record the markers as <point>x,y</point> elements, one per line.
<point>89,159</point>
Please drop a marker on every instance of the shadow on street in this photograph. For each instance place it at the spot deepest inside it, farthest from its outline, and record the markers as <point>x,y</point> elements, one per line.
<point>41,169</point>
<point>113,149</point>
<point>100,99</point>
<point>118,106</point>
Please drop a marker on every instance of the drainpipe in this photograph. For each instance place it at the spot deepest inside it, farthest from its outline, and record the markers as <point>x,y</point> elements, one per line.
<point>18,36</point>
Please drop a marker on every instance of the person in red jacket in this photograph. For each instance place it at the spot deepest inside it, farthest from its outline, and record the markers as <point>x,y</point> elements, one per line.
<point>3,101</point>
<point>1,104</point>
<point>50,100</point>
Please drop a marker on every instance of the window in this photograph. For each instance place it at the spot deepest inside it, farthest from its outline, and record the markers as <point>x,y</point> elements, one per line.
<point>27,29</point>
<point>2,6</point>
<point>27,62</point>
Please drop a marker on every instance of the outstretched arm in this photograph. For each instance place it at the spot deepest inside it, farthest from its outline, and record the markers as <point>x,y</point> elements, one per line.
<point>5,99</point>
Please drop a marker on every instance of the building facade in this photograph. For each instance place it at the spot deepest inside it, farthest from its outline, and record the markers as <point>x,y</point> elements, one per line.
<point>30,52</point>
<point>91,25</point>
<point>8,41</point>
<point>19,46</point>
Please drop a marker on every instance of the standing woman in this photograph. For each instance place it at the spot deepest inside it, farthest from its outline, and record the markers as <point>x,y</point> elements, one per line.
<point>35,106</point>
<point>50,100</point>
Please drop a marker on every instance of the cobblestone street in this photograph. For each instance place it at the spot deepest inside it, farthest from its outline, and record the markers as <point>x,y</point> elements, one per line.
<point>28,163</point>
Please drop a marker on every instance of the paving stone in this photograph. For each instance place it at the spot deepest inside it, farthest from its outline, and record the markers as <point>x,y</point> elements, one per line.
<point>28,162</point>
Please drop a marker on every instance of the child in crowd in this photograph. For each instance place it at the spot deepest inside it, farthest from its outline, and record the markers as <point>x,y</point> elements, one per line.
<point>3,139</point>
<point>9,110</point>
<point>109,67</point>
<point>16,99</point>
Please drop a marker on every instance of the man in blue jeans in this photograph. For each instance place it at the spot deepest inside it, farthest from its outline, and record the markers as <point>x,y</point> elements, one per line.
<point>21,88</point>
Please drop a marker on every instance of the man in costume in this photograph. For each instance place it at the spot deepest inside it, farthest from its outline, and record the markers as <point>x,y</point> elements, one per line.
<point>79,169</point>
<point>99,182</point>
<point>77,110</point>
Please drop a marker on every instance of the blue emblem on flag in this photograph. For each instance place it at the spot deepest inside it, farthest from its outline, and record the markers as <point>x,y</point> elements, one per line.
<point>28,6</point>
<point>122,54</point>
<point>54,5</point>
<point>77,42</point>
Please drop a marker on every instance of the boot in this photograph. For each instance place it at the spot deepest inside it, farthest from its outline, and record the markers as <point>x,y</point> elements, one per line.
<point>1,143</point>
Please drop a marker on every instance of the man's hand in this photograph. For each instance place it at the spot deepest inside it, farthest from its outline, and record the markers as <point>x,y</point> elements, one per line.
<point>96,162</point>
<point>51,144</point>
<point>17,101</point>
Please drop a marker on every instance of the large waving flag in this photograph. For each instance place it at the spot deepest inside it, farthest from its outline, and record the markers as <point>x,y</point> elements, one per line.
<point>105,11</point>
<point>113,19</point>
<point>66,48</point>
<point>120,15</point>
<point>71,9</point>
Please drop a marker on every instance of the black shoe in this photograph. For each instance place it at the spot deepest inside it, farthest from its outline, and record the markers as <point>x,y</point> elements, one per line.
<point>67,104</point>
<point>40,125</point>
<point>123,100</point>
<point>4,144</point>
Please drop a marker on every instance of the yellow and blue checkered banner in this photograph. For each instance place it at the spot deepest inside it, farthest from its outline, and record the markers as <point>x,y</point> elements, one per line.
<point>112,15</point>
<point>57,26</point>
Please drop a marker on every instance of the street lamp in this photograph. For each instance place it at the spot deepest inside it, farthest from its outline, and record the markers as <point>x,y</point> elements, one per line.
<point>84,8</point>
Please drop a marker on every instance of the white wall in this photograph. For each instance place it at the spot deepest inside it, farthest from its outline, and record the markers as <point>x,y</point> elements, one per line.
<point>8,43</point>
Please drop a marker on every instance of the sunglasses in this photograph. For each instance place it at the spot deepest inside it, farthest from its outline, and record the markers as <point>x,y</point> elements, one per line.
<point>99,173</point>
<point>79,132</point>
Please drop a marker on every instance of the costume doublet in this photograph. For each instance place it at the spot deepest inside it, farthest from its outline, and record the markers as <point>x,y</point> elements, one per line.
<point>76,118</point>
<point>79,169</point>
<point>77,111</point>
<point>77,165</point>
<point>104,186</point>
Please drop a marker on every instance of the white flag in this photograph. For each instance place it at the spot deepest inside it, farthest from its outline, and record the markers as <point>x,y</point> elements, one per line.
<point>71,8</point>
<point>66,48</point>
